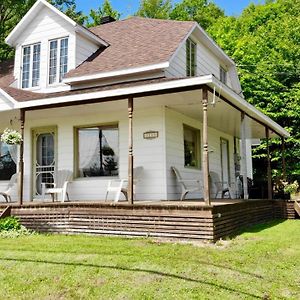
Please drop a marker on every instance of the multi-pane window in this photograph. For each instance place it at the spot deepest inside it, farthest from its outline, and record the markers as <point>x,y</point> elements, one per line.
<point>31,57</point>
<point>58,60</point>
<point>191,147</point>
<point>191,58</point>
<point>223,75</point>
<point>36,62</point>
<point>8,156</point>
<point>98,151</point>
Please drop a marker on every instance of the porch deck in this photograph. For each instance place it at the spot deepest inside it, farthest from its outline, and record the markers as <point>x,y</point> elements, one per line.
<point>164,219</point>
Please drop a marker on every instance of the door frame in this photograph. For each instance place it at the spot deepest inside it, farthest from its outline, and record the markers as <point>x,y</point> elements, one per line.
<point>34,132</point>
<point>228,159</point>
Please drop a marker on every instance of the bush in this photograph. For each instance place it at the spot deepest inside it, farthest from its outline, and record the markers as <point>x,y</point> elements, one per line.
<point>9,223</point>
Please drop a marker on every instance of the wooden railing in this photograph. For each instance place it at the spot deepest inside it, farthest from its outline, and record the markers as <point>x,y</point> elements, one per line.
<point>297,207</point>
<point>5,213</point>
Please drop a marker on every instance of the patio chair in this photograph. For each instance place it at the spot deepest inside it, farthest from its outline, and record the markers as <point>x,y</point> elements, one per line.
<point>117,185</point>
<point>7,193</point>
<point>187,185</point>
<point>60,186</point>
<point>222,187</point>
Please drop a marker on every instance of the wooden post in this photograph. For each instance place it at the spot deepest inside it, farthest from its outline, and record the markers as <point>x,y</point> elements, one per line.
<point>206,189</point>
<point>269,172</point>
<point>244,155</point>
<point>130,151</point>
<point>21,161</point>
<point>283,158</point>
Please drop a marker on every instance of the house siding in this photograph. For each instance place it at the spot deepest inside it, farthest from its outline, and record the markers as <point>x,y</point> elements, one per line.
<point>84,49</point>
<point>175,152</point>
<point>148,153</point>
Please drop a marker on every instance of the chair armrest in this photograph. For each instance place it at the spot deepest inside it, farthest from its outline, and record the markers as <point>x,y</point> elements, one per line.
<point>47,183</point>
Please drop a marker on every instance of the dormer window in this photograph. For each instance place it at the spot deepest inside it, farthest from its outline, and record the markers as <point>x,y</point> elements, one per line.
<point>58,60</point>
<point>31,60</point>
<point>191,58</point>
<point>223,75</point>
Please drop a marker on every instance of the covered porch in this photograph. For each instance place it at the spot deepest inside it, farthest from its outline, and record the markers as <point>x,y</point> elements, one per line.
<point>203,104</point>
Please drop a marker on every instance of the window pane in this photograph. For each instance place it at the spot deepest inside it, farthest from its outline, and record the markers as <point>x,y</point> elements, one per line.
<point>36,65</point>
<point>53,62</point>
<point>26,67</point>
<point>63,67</point>
<point>98,151</point>
<point>191,147</point>
<point>7,165</point>
<point>191,58</point>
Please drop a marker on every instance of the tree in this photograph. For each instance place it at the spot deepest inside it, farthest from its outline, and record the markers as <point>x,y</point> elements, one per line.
<point>158,9</point>
<point>103,11</point>
<point>265,43</point>
<point>202,11</point>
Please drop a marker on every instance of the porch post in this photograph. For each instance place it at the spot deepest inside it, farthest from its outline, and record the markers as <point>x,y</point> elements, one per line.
<point>206,189</point>
<point>269,172</point>
<point>283,158</point>
<point>21,161</point>
<point>130,151</point>
<point>244,155</point>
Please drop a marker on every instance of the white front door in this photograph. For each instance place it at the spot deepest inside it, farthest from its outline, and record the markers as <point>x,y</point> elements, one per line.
<point>225,168</point>
<point>44,160</point>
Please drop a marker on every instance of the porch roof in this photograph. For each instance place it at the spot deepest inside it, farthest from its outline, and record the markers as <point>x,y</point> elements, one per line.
<point>31,101</point>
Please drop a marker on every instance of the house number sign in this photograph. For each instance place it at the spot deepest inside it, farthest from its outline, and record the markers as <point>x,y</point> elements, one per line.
<point>150,135</point>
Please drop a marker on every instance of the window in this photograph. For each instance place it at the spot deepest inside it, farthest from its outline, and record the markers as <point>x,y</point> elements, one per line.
<point>58,66</point>
<point>191,58</point>
<point>98,151</point>
<point>7,164</point>
<point>223,75</point>
<point>191,147</point>
<point>31,66</point>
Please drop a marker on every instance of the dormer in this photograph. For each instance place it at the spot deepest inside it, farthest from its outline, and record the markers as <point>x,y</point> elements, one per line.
<point>49,44</point>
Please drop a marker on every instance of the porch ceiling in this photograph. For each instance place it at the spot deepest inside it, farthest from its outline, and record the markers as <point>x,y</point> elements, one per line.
<point>221,115</point>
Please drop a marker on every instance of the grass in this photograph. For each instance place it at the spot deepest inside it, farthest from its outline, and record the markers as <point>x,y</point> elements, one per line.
<point>262,263</point>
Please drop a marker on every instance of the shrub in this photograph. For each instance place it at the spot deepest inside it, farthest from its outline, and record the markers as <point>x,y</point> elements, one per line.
<point>9,223</point>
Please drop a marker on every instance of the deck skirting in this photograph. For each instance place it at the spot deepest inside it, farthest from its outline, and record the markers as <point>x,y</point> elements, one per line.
<point>173,222</point>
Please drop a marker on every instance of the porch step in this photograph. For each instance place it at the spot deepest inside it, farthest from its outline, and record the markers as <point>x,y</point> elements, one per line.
<point>297,207</point>
<point>5,213</point>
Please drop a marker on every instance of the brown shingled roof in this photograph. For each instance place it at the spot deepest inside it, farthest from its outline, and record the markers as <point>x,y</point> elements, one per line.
<point>134,42</point>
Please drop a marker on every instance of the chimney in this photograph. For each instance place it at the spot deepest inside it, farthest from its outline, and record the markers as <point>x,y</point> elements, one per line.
<point>107,19</point>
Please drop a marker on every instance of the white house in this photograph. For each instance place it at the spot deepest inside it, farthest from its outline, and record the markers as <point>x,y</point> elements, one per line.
<point>70,87</point>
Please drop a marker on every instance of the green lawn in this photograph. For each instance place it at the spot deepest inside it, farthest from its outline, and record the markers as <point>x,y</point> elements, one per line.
<point>262,263</point>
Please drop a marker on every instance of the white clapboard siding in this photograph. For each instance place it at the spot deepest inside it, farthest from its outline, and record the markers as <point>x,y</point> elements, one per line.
<point>84,49</point>
<point>207,63</point>
<point>45,27</point>
<point>5,104</point>
<point>175,152</point>
<point>148,153</point>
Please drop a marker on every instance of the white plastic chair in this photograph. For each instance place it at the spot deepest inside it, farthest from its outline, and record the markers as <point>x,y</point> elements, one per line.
<point>117,185</point>
<point>187,185</point>
<point>222,187</point>
<point>7,193</point>
<point>60,186</point>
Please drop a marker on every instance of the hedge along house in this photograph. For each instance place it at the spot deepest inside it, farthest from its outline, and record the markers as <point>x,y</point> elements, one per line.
<point>136,92</point>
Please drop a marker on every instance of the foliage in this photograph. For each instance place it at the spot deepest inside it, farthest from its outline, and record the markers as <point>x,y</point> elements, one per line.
<point>158,9</point>
<point>103,11</point>
<point>86,267</point>
<point>204,12</point>
<point>265,43</point>
<point>11,137</point>
<point>9,223</point>
<point>291,188</point>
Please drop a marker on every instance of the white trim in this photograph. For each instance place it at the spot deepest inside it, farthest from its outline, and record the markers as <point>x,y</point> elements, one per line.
<point>81,79</point>
<point>10,39</point>
<point>210,80</point>
<point>8,97</point>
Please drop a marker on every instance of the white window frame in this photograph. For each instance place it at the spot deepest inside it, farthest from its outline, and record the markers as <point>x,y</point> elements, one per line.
<point>223,75</point>
<point>192,67</point>
<point>31,46</point>
<point>58,75</point>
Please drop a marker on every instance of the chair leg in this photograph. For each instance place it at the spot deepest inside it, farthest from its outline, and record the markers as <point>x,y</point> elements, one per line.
<point>183,194</point>
<point>53,197</point>
<point>8,198</point>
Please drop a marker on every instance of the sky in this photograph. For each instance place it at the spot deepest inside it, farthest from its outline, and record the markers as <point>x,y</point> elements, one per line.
<point>128,7</point>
